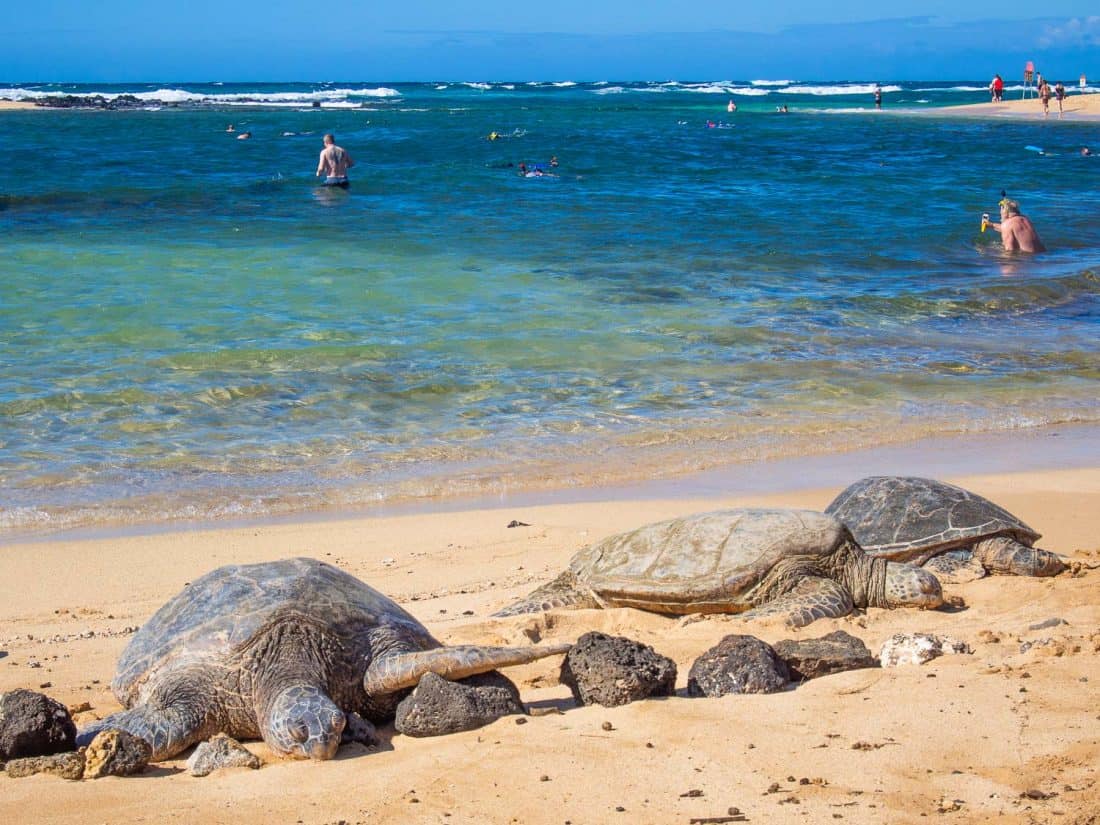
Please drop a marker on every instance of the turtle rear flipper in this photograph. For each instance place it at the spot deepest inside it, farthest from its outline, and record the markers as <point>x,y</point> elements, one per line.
<point>813,598</point>
<point>396,671</point>
<point>1006,556</point>
<point>956,566</point>
<point>562,592</point>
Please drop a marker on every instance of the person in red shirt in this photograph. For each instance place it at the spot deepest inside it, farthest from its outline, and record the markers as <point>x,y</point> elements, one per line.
<point>997,88</point>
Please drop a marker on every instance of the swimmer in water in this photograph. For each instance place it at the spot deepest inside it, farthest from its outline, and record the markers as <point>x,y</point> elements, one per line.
<point>244,136</point>
<point>731,107</point>
<point>334,164</point>
<point>230,128</point>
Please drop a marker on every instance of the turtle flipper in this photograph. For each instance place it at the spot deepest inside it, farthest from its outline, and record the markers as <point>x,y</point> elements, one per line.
<point>955,566</point>
<point>561,592</point>
<point>395,671</point>
<point>813,598</point>
<point>167,730</point>
<point>1005,555</point>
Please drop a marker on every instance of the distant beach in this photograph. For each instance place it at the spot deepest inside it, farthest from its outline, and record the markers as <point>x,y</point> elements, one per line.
<point>1076,107</point>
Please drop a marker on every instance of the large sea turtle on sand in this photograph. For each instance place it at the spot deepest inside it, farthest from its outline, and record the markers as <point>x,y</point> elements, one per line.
<point>279,650</point>
<point>955,533</point>
<point>798,564</point>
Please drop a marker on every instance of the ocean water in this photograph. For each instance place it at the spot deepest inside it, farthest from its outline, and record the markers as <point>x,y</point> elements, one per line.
<point>191,329</point>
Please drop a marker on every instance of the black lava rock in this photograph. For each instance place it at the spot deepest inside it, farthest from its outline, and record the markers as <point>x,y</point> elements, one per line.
<point>834,653</point>
<point>612,670</point>
<point>438,706</point>
<point>738,664</point>
<point>33,724</point>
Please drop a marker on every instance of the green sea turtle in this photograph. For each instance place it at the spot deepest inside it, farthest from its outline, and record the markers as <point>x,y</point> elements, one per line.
<point>279,650</point>
<point>799,564</point>
<point>955,533</point>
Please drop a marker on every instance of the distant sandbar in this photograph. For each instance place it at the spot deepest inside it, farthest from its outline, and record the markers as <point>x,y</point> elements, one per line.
<point>1076,107</point>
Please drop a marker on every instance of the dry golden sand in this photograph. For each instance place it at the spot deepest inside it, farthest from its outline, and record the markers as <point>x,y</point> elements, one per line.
<point>16,105</point>
<point>957,740</point>
<point>1076,107</point>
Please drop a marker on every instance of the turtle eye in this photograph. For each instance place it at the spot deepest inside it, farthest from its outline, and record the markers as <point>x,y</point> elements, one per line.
<point>299,732</point>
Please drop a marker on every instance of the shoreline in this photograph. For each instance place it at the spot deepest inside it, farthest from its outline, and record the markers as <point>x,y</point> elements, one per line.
<point>860,738</point>
<point>1056,446</point>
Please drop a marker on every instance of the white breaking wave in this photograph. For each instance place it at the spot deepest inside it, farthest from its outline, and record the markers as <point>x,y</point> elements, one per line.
<point>328,96</point>
<point>746,91</point>
<point>609,90</point>
<point>847,89</point>
<point>770,82</point>
<point>482,86</point>
<point>710,88</point>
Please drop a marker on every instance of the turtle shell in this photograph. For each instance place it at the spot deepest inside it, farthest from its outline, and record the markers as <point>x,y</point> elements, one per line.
<point>911,519</point>
<point>708,562</point>
<point>223,611</point>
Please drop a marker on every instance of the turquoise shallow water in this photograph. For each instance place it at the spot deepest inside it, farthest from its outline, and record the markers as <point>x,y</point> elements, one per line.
<point>190,328</point>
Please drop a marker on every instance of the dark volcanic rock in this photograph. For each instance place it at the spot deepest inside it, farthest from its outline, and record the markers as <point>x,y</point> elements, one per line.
<point>116,753</point>
<point>219,752</point>
<point>612,670</point>
<point>33,724</point>
<point>834,653</point>
<point>438,706</point>
<point>91,102</point>
<point>68,765</point>
<point>738,664</point>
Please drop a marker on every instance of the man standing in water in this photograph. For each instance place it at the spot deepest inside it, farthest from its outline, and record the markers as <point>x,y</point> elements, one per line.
<point>1017,233</point>
<point>334,164</point>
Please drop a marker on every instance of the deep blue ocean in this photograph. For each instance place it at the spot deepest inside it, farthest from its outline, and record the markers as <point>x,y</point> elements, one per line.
<point>191,328</point>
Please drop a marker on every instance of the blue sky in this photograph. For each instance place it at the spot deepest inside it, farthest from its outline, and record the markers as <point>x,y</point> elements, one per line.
<point>126,40</point>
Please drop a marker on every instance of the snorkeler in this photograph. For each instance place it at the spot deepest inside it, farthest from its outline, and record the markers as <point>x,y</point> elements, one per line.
<point>1017,233</point>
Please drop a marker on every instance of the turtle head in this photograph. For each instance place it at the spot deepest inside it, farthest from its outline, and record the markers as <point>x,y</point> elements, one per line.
<point>910,586</point>
<point>302,722</point>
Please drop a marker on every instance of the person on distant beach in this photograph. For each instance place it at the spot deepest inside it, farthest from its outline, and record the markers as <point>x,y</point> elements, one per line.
<point>997,88</point>
<point>1060,93</point>
<point>878,96</point>
<point>1044,95</point>
<point>334,164</point>
<point>1017,233</point>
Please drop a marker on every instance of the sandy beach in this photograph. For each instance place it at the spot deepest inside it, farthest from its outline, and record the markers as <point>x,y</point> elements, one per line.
<point>999,735</point>
<point>1076,107</point>
<point>16,105</point>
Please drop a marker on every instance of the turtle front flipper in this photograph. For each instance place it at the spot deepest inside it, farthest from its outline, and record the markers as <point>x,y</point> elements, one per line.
<point>168,730</point>
<point>395,671</point>
<point>955,567</point>
<point>1008,557</point>
<point>564,591</point>
<point>812,598</point>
